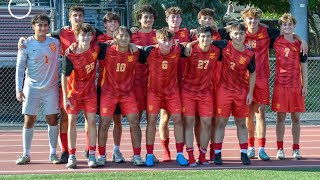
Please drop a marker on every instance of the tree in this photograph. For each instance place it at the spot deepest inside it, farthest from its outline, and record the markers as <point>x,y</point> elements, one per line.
<point>190,9</point>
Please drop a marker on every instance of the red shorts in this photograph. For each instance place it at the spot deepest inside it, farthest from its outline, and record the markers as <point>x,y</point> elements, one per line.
<point>234,102</point>
<point>171,103</point>
<point>108,103</point>
<point>88,105</point>
<point>287,99</point>
<point>214,100</point>
<point>193,103</point>
<point>261,92</point>
<point>140,86</point>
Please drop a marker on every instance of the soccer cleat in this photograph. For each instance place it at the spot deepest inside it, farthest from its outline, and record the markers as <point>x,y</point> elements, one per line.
<point>72,162</point>
<point>23,159</point>
<point>296,154</point>
<point>137,161</point>
<point>192,162</point>
<point>92,162</point>
<point>280,154</point>
<point>245,159</point>
<point>101,161</point>
<point>217,159</point>
<point>117,157</point>
<point>150,160</point>
<point>263,156</point>
<point>86,154</point>
<point>64,157</point>
<point>155,159</point>
<point>251,153</point>
<point>181,160</point>
<point>54,159</point>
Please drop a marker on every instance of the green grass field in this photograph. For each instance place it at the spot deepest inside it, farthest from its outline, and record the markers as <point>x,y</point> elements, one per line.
<point>306,173</point>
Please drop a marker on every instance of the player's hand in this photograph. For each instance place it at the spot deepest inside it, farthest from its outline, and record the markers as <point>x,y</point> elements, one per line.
<point>193,32</point>
<point>249,98</point>
<point>73,47</point>
<point>304,91</point>
<point>66,103</point>
<point>304,48</point>
<point>20,43</point>
<point>133,48</point>
<point>112,42</point>
<point>20,96</point>
<point>188,50</point>
<point>134,29</point>
<point>65,27</point>
<point>109,42</point>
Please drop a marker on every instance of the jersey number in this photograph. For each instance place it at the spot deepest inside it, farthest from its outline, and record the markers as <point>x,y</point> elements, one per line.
<point>164,64</point>
<point>286,51</point>
<point>121,67</point>
<point>203,64</point>
<point>89,67</point>
<point>232,65</point>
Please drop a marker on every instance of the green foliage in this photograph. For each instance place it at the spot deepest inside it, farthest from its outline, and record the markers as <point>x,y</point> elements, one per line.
<point>190,9</point>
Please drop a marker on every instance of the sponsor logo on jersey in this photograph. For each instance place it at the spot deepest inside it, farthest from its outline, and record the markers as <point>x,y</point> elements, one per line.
<point>53,47</point>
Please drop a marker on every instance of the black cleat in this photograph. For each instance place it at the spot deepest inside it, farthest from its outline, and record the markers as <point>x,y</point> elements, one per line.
<point>217,159</point>
<point>86,154</point>
<point>244,158</point>
<point>64,157</point>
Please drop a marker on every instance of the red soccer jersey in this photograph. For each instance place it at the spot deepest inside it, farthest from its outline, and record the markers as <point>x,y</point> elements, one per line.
<point>235,66</point>
<point>103,38</point>
<point>163,71</point>
<point>260,43</point>
<point>288,72</point>
<point>118,71</point>
<point>181,36</point>
<point>199,69</point>
<point>81,71</point>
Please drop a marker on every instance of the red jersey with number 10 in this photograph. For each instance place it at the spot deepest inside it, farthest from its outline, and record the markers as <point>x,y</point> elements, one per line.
<point>199,70</point>
<point>81,81</point>
<point>118,71</point>
<point>235,66</point>
<point>260,43</point>
<point>163,71</point>
<point>288,72</point>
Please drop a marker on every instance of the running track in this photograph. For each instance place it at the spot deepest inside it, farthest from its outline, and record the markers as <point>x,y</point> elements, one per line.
<point>11,147</point>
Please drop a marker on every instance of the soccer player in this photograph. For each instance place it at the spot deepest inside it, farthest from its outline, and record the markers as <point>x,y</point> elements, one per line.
<point>111,22</point>
<point>163,91</point>
<point>235,90</point>
<point>259,38</point>
<point>79,91</point>
<point>40,57</point>
<point>196,92</point>
<point>289,91</point>
<point>206,17</point>
<point>181,35</point>
<point>117,87</point>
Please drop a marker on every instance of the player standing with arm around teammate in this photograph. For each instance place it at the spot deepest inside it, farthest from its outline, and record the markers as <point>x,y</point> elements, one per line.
<point>40,57</point>
<point>196,92</point>
<point>79,90</point>
<point>235,90</point>
<point>289,91</point>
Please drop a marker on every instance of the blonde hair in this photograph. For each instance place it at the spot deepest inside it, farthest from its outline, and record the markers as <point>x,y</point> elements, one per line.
<point>173,10</point>
<point>287,17</point>
<point>251,12</point>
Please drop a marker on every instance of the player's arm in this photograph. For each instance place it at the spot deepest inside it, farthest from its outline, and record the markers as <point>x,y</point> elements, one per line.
<point>188,47</point>
<point>98,33</point>
<point>55,34</point>
<point>103,49</point>
<point>252,79</point>
<point>67,68</point>
<point>224,34</point>
<point>304,45</point>
<point>144,53</point>
<point>20,69</point>
<point>304,71</point>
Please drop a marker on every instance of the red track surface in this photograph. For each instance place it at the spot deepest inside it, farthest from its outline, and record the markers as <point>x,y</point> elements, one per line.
<point>11,147</point>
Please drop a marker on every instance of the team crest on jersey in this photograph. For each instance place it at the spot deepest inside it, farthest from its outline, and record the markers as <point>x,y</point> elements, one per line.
<point>94,55</point>
<point>53,47</point>
<point>130,58</point>
<point>212,55</point>
<point>260,35</point>
<point>183,34</point>
<point>242,60</point>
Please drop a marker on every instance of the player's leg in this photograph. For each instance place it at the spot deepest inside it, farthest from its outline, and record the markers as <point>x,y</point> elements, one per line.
<point>164,134</point>
<point>72,137</point>
<point>63,131</point>
<point>253,107</point>
<point>117,133</point>
<point>189,126</point>
<point>242,134</point>
<point>92,133</point>
<point>103,129</point>
<point>280,130</point>
<point>295,129</point>
<point>221,124</point>
<point>213,127</point>
<point>197,130</point>
<point>30,107</point>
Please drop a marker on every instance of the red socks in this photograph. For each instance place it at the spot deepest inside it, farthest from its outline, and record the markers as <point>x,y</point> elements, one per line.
<point>251,142</point>
<point>150,148</point>
<point>64,141</point>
